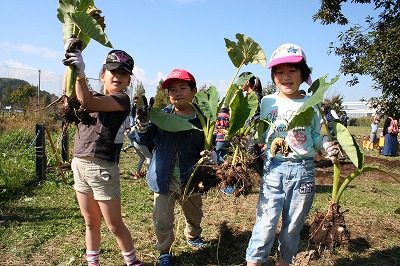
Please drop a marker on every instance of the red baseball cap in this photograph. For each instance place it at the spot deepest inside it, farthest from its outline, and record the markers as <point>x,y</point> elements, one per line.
<point>177,74</point>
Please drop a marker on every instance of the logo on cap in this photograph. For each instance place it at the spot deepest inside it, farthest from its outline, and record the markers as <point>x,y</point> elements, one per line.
<point>177,74</point>
<point>287,53</point>
<point>118,59</point>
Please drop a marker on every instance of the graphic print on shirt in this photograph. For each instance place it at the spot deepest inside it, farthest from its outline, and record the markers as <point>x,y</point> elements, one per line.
<point>296,137</point>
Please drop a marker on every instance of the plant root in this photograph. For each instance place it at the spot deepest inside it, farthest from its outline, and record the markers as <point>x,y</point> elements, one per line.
<point>240,177</point>
<point>329,230</point>
<point>72,112</point>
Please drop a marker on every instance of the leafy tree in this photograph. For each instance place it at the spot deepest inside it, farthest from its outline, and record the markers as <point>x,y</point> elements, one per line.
<point>372,50</point>
<point>139,91</point>
<point>12,83</point>
<point>24,96</point>
<point>269,89</point>
<point>162,98</point>
<point>336,102</point>
<point>7,95</point>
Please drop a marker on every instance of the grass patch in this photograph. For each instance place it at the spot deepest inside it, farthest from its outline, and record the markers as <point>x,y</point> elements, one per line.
<point>44,226</point>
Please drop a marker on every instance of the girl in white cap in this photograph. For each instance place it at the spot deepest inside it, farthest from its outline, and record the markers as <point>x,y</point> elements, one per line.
<point>288,184</point>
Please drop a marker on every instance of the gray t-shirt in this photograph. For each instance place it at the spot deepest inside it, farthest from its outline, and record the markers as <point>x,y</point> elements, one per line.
<point>98,140</point>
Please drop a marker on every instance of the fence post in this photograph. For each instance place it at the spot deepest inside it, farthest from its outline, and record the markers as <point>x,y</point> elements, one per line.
<point>40,152</point>
<point>65,144</point>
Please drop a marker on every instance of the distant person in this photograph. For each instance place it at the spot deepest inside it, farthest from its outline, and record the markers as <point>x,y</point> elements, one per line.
<point>253,85</point>
<point>119,138</point>
<point>143,151</point>
<point>373,134</point>
<point>96,173</point>
<point>390,133</point>
<point>330,115</point>
<point>344,118</point>
<point>134,109</point>
<point>221,130</point>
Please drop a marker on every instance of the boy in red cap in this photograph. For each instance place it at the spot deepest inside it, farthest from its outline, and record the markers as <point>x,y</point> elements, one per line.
<point>288,185</point>
<point>175,157</point>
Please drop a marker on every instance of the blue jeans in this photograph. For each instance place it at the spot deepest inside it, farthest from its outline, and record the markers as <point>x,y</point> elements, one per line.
<point>287,188</point>
<point>222,148</point>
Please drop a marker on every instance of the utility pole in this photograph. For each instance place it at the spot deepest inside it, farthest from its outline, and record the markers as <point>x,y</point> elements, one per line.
<point>38,93</point>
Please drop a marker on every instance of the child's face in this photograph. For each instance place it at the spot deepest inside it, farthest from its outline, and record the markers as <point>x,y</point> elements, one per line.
<point>288,79</point>
<point>180,93</point>
<point>115,80</point>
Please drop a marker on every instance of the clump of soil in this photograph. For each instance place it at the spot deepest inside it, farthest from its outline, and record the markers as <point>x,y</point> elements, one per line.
<point>72,112</point>
<point>239,177</point>
<point>204,179</point>
<point>328,230</point>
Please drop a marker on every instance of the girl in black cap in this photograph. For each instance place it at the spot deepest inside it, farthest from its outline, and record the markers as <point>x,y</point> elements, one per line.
<point>96,173</point>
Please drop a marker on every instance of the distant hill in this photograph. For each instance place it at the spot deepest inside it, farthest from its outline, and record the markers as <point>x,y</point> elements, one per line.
<point>16,83</point>
<point>13,83</point>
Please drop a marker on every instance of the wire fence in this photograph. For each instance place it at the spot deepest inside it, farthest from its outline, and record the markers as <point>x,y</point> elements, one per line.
<point>44,80</point>
<point>9,151</point>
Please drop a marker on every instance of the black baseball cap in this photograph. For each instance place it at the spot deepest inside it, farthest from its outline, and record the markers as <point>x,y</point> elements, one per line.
<point>118,59</point>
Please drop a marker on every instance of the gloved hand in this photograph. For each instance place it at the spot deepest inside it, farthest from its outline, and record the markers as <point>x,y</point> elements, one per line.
<point>143,115</point>
<point>332,148</point>
<point>75,58</point>
<point>73,55</point>
<point>209,157</point>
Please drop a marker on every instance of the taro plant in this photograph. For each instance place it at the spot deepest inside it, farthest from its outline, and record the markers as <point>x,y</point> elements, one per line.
<point>81,21</point>
<point>207,102</point>
<point>329,229</point>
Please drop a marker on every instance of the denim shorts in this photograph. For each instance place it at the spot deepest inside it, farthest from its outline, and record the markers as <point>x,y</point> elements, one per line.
<point>97,176</point>
<point>288,188</point>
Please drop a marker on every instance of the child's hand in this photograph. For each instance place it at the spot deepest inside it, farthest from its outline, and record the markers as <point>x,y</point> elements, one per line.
<point>143,112</point>
<point>332,148</point>
<point>143,115</point>
<point>75,58</point>
<point>209,157</point>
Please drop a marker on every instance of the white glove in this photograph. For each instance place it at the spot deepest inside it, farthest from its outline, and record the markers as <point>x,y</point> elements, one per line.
<point>209,157</point>
<point>76,59</point>
<point>141,126</point>
<point>332,148</point>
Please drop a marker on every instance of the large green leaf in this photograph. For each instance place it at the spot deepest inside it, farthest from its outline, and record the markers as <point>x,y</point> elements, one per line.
<point>242,108</point>
<point>245,51</point>
<point>88,25</point>
<point>306,111</point>
<point>67,7</point>
<point>170,122</point>
<point>261,127</point>
<point>349,144</point>
<point>230,94</point>
<point>241,81</point>
<point>207,100</point>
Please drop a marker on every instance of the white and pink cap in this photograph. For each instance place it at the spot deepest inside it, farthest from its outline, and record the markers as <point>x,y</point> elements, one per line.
<point>287,53</point>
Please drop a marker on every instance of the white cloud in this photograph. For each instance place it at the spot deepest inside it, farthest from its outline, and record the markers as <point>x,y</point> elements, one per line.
<point>42,51</point>
<point>7,48</point>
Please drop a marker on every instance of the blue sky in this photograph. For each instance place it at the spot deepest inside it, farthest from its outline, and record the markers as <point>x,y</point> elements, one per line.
<point>165,34</point>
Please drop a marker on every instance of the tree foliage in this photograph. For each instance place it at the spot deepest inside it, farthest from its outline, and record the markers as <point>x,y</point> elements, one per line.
<point>335,102</point>
<point>270,88</point>
<point>373,50</point>
<point>23,96</point>
<point>162,98</point>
